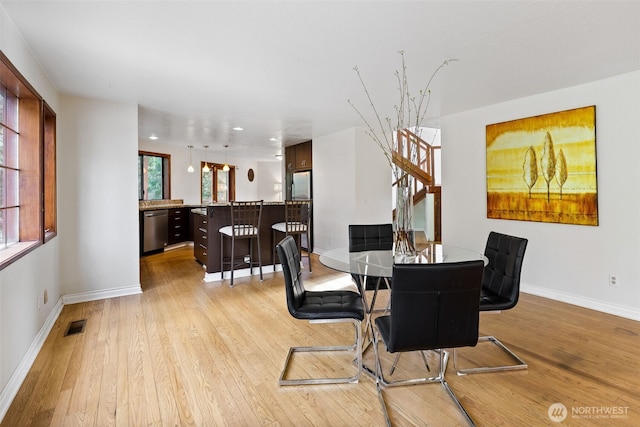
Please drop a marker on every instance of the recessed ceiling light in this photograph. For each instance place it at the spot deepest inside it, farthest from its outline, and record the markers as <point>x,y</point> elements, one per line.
<point>273,139</point>
<point>153,136</point>
<point>238,128</point>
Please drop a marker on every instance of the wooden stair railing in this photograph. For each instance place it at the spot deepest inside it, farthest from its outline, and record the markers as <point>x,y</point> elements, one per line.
<point>416,157</point>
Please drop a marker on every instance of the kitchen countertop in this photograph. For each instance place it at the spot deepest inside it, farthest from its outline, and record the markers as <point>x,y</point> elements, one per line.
<point>149,205</point>
<point>202,210</point>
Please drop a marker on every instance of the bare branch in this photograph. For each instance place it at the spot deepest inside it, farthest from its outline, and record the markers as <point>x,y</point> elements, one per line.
<point>408,108</point>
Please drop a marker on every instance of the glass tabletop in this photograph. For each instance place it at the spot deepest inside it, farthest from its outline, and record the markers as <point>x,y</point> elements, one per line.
<point>380,263</point>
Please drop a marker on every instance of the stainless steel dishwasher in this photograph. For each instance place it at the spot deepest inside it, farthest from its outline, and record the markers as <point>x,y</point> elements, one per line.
<point>155,233</point>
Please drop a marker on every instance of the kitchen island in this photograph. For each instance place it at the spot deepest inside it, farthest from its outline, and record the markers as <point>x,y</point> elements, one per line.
<point>207,220</point>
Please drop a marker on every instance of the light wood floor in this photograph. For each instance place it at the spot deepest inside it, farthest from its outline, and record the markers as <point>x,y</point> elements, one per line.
<point>187,352</point>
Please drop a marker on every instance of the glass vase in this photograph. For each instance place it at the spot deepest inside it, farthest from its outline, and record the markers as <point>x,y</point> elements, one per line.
<point>404,249</point>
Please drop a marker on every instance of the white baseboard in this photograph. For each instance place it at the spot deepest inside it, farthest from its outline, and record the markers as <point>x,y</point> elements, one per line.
<point>18,376</point>
<point>98,295</point>
<point>605,307</point>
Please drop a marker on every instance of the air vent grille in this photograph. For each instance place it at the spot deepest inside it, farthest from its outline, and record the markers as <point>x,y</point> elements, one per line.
<point>75,327</point>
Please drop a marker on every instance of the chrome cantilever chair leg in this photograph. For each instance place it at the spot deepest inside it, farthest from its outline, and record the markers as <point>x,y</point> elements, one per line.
<point>520,364</point>
<point>444,356</point>
<point>378,376</point>
<point>445,385</point>
<point>356,346</point>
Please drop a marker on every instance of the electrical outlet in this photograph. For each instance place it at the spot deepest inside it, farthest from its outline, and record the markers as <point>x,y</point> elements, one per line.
<point>613,280</point>
<point>247,258</point>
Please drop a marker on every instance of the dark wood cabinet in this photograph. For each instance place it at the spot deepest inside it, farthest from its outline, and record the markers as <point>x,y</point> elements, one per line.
<point>303,156</point>
<point>201,238</point>
<point>178,225</point>
<point>298,157</point>
<point>290,157</point>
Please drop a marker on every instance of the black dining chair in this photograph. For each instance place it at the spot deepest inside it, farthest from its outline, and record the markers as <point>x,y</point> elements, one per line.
<point>433,307</point>
<point>331,306</point>
<point>500,291</point>
<point>369,237</point>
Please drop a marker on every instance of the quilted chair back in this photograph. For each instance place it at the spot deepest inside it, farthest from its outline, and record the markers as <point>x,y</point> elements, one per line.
<point>501,279</point>
<point>370,237</point>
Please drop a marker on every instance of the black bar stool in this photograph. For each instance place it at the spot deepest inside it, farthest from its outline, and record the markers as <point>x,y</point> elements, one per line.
<point>297,222</point>
<point>245,224</point>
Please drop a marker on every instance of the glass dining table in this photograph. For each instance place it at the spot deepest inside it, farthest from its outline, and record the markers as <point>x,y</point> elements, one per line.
<point>379,264</point>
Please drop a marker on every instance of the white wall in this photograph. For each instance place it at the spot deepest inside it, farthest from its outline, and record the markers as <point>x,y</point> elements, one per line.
<point>566,262</point>
<point>333,188</point>
<point>268,174</point>
<point>186,186</point>
<point>22,284</point>
<point>98,199</point>
<point>349,172</point>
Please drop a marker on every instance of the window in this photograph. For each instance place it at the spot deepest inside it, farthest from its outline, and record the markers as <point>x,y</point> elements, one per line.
<point>9,169</point>
<point>222,181</point>
<point>154,176</point>
<point>27,166</point>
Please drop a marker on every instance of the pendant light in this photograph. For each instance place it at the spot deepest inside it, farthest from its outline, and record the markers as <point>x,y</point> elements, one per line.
<point>190,169</point>
<point>226,166</point>
<point>205,169</point>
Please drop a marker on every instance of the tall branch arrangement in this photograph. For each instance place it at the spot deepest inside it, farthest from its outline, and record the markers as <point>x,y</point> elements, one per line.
<point>410,111</point>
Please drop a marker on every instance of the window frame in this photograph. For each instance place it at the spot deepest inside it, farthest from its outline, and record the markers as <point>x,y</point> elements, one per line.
<point>166,174</point>
<point>215,167</point>
<point>32,207</point>
<point>49,185</point>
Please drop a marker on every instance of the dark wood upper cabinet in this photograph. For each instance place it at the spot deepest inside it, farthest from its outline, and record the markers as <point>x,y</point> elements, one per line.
<point>303,156</point>
<point>298,157</point>
<point>290,157</point>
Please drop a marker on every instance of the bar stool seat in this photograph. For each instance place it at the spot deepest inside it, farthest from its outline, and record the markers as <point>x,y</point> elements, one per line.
<point>245,224</point>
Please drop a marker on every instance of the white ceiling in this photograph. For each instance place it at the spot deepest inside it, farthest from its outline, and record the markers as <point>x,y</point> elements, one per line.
<point>284,70</point>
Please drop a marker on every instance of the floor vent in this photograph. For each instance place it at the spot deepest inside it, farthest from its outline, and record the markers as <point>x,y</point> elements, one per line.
<point>75,327</point>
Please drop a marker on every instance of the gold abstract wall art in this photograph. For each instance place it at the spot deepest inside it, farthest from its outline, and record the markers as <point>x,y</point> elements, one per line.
<point>543,168</point>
